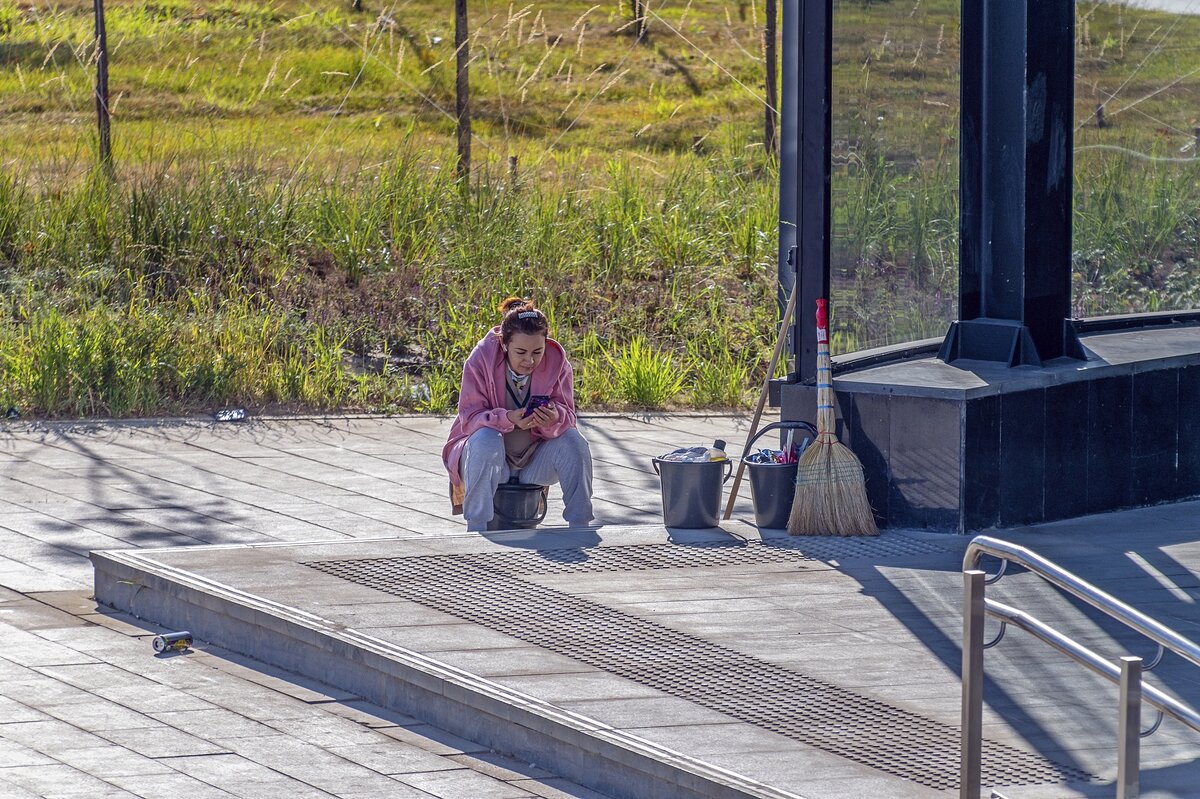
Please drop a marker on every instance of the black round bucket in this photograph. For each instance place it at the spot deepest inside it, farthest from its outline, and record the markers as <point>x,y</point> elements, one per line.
<point>772,488</point>
<point>773,485</point>
<point>691,492</point>
<point>518,506</point>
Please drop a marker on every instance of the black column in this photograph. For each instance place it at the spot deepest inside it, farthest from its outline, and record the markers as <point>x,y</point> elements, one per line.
<point>789,141</point>
<point>1015,179</point>
<point>805,148</point>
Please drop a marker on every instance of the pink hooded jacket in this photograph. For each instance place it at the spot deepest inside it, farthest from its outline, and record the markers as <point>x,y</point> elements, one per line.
<point>481,398</point>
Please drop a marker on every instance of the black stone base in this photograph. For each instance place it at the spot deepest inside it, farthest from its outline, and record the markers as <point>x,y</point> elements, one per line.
<point>973,446</point>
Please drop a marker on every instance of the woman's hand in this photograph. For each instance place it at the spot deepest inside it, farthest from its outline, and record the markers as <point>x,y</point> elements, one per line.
<point>544,416</point>
<point>519,420</point>
<point>541,417</point>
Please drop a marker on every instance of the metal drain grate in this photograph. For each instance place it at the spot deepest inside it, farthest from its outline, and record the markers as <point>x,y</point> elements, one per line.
<point>641,557</point>
<point>486,589</point>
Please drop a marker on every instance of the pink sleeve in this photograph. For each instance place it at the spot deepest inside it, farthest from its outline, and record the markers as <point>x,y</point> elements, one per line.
<point>563,397</point>
<point>475,406</point>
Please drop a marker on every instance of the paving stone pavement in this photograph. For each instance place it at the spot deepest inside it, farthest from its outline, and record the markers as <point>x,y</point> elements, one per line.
<point>87,709</point>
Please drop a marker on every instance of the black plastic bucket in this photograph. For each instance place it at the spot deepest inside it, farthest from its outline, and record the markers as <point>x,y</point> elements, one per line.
<point>518,506</point>
<point>691,492</point>
<point>773,485</point>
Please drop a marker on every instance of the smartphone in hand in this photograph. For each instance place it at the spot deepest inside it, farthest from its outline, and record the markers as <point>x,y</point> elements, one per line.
<point>535,402</point>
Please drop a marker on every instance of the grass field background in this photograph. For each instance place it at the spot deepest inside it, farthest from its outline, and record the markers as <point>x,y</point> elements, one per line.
<point>285,230</point>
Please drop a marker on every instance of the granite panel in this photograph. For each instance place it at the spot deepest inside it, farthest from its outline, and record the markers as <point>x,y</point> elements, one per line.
<point>1110,434</point>
<point>1188,469</point>
<point>1022,457</point>
<point>800,402</point>
<point>844,413</point>
<point>1153,478</point>
<point>1066,451</point>
<point>1154,421</point>
<point>981,469</point>
<point>1155,408</point>
<point>870,437</point>
<point>925,447</point>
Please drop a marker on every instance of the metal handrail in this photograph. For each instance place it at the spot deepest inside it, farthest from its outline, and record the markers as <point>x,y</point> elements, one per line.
<point>1127,675</point>
<point>1083,590</point>
<point>1097,663</point>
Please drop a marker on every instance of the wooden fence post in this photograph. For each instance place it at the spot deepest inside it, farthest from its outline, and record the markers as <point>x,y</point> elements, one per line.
<point>772,110</point>
<point>462,89</point>
<point>103,116</point>
<point>638,8</point>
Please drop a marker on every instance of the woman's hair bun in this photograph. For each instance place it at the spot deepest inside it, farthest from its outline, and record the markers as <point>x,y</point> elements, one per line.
<point>515,304</point>
<point>522,316</point>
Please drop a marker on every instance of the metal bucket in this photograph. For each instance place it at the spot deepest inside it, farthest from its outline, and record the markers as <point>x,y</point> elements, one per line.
<point>773,485</point>
<point>691,492</point>
<point>518,506</point>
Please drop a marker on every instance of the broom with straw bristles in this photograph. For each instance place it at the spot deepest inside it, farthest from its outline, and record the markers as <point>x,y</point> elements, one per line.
<point>831,496</point>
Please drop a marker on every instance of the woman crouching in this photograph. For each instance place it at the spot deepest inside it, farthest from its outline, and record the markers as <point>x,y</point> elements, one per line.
<point>516,418</point>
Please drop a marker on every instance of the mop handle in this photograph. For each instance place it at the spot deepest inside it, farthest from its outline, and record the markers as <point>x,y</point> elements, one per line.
<point>762,396</point>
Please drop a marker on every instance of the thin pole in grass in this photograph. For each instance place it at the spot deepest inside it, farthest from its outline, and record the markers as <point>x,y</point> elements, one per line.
<point>102,111</point>
<point>771,112</point>
<point>638,9</point>
<point>462,90</point>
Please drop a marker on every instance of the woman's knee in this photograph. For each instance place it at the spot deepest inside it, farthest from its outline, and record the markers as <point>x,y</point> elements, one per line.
<point>574,443</point>
<point>484,448</point>
<point>575,460</point>
<point>485,440</point>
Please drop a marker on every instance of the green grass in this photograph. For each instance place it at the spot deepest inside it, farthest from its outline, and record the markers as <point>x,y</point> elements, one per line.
<point>644,377</point>
<point>286,232</point>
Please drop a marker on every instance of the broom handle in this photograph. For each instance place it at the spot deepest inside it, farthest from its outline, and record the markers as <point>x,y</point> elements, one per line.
<point>762,395</point>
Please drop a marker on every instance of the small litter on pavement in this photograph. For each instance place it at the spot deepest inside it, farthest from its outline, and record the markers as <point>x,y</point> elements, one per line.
<point>172,642</point>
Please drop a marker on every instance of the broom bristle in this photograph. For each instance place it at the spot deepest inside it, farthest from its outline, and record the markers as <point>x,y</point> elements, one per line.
<point>831,495</point>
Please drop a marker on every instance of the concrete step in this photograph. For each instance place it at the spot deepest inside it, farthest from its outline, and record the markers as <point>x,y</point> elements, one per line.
<point>581,749</point>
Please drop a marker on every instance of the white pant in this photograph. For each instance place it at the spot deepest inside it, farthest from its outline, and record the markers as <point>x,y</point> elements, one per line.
<point>566,459</point>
